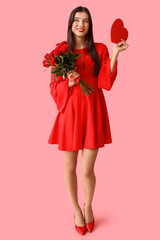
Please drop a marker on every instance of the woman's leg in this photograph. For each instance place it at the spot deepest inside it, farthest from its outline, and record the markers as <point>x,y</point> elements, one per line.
<point>88,179</point>
<point>70,177</point>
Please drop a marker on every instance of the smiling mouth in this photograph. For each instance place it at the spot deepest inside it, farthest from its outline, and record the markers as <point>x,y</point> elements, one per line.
<point>80,30</point>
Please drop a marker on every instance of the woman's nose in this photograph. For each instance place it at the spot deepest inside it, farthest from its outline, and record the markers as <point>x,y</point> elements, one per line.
<point>80,24</point>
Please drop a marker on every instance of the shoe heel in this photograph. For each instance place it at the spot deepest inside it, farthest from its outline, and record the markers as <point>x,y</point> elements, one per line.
<point>89,226</point>
<point>80,230</point>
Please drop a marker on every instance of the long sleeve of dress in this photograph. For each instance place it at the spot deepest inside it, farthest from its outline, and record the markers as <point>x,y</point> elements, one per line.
<point>60,92</point>
<point>105,79</point>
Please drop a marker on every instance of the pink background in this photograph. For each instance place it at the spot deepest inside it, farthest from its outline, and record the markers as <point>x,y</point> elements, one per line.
<point>34,200</point>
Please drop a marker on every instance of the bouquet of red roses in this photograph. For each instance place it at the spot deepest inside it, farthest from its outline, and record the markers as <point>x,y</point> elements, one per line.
<point>62,60</point>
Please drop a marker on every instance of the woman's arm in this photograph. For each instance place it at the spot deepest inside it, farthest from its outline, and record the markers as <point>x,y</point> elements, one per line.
<point>60,91</point>
<point>72,82</point>
<point>113,61</point>
<point>121,46</point>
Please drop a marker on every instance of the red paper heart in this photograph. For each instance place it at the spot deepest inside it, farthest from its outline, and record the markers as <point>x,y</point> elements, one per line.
<point>118,31</point>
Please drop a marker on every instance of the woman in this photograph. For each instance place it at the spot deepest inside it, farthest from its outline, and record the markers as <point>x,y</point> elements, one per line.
<point>82,121</point>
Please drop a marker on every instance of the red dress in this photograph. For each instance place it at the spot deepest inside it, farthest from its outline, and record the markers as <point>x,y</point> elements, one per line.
<point>82,121</point>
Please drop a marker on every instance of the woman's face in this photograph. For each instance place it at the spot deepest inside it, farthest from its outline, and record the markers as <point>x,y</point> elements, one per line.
<point>80,25</point>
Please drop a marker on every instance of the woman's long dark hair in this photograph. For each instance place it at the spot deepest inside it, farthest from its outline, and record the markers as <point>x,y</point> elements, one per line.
<point>89,41</point>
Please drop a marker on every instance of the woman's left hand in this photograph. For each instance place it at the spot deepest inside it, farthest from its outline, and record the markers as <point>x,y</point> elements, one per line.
<point>121,46</point>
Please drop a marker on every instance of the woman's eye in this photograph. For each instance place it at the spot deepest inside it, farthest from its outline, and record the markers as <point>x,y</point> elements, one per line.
<point>77,20</point>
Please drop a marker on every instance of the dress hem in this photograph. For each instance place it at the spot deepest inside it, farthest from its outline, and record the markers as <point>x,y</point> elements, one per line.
<point>80,148</point>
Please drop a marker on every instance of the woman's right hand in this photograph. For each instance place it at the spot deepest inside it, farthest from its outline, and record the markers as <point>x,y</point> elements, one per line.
<point>75,75</point>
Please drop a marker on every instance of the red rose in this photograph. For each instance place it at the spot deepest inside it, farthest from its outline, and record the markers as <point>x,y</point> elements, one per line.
<point>52,61</point>
<point>45,63</point>
<point>47,56</point>
<point>60,44</point>
<point>51,54</point>
<point>64,48</point>
<point>57,52</point>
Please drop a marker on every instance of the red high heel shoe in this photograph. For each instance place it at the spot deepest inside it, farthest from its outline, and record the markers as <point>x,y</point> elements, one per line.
<point>90,225</point>
<point>82,229</point>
